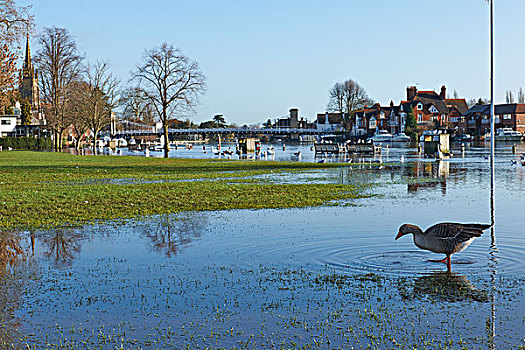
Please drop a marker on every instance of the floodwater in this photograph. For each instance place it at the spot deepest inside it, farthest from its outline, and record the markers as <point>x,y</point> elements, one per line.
<point>329,277</point>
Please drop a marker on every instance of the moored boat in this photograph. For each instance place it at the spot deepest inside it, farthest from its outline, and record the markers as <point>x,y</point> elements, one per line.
<point>381,136</point>
<point>505,134</point>
<point>400,137</point>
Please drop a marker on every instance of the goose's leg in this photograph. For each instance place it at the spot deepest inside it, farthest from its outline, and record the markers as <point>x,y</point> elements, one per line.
<point>440,261</point>
<point>449,268</point>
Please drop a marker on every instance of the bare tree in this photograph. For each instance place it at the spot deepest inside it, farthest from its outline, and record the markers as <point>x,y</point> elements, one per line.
<point>76,108</point>
<point>455,95</point>
<point>337,98</point>
<point>15,23</point>
<point>59,64</point>
<point>347,97</point>
<point>136,107</point>
<point>97,98</point>
<point>480,101</point>
<point>7,76</point>
<point>171,82</point>
<point>521,96</point>
<point>509,97</point>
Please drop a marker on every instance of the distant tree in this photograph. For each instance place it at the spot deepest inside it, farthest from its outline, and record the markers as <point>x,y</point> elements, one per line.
<point>456,95</point>
<point>76,108</point>
<point>15,23</point>
<point>98,98</point>
<point>509,97</point>
<point>521,96</point>
<point>7,76</point>
<point>474,102</point>
<point>136,107</point>
<point>219,120</point>
<point>59,64</point>
<point>348,97</point>
<point>210,124</point>
<point>411,123</point>
<point>188,124</point>
<point>171,82</point>
<point>25,115</point>
<point>268,124</point>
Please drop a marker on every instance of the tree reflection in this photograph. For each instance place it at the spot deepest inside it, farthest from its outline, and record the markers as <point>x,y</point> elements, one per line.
<point>62,245</point>
<point>170,233</point>
<point>16,268</point>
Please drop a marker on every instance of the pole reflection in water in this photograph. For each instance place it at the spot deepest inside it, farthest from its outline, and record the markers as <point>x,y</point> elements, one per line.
<point>493,263</point>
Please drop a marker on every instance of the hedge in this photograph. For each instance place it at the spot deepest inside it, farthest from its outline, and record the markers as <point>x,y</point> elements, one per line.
<point>25,143</point>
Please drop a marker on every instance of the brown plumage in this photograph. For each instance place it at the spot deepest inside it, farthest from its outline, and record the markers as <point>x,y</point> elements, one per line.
<point>447,237</point>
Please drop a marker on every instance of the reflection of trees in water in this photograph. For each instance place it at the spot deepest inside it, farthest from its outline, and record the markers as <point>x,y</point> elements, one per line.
<point>16,268</point>
<point>170,233</point>
<point>62,245</point>
<point>444,286</point>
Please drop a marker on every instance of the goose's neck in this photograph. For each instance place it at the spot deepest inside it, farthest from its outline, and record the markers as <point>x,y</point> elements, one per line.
<point>417,231</point>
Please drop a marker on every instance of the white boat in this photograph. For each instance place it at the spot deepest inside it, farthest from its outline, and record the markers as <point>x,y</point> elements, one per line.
<point>121,142</point>
<point>132,142</point>
<point>99,144</point>
<point>270,151</point>
<point>400,137</point>
<point>505,134</point>
<point>381,136</point>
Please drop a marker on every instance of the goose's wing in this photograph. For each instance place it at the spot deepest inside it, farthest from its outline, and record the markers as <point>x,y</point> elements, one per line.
<point>455,232</point>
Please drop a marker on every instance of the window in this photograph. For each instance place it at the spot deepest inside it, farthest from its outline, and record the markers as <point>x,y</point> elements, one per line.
<point>419,106</point>
<point>373,123</point>
<point>420,118</point>
<point>6,122</point>
<point>507,116</point>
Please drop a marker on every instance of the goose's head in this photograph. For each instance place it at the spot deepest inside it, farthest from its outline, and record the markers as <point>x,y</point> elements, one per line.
<point>406,229</point>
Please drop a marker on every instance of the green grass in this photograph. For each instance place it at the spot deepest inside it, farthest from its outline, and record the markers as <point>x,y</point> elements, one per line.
<point>43,189</point>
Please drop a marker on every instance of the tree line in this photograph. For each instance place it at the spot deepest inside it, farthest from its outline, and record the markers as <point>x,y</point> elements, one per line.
<point>84,95</point>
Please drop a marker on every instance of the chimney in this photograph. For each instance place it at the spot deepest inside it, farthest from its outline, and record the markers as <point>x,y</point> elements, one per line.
<point>294,118</point>
<point>411,93</point>
<point>443,93</point>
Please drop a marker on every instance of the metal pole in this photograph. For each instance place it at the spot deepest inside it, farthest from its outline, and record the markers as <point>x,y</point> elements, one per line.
<point>492,140</point>
<point>493,246</point>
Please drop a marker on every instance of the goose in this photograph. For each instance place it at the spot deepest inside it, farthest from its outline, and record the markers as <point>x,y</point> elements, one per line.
<point>513,161</point>
<point>297,154</point>
<point>447,237</point>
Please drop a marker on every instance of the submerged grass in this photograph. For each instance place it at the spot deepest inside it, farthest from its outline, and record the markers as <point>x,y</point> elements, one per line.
<point>53,189</point>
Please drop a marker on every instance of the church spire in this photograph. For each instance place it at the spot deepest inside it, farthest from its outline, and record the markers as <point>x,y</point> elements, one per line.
<point>28,64</point>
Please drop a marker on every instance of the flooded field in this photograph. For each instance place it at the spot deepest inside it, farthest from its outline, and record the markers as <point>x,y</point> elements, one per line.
<point>328,277</point>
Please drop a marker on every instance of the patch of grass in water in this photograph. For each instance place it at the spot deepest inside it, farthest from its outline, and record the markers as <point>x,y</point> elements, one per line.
<point>38,190</point>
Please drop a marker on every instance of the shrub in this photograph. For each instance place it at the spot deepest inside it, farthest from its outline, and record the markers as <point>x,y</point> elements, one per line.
<point>25,143</point>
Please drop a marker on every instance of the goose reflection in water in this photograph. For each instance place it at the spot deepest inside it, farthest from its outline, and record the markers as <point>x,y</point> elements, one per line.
<point>445,286</point>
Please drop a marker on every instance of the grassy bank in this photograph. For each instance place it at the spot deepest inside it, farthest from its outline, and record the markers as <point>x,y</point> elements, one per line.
<point>51,189</point>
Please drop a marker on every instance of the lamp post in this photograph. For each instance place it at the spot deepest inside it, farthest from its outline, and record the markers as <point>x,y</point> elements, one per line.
<point>492,140</point>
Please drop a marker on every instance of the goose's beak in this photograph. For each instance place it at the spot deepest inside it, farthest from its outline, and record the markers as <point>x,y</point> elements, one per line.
<point>399,234</point>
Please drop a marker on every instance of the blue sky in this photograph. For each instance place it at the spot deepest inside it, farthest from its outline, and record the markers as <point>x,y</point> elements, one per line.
<point>263,58</point>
